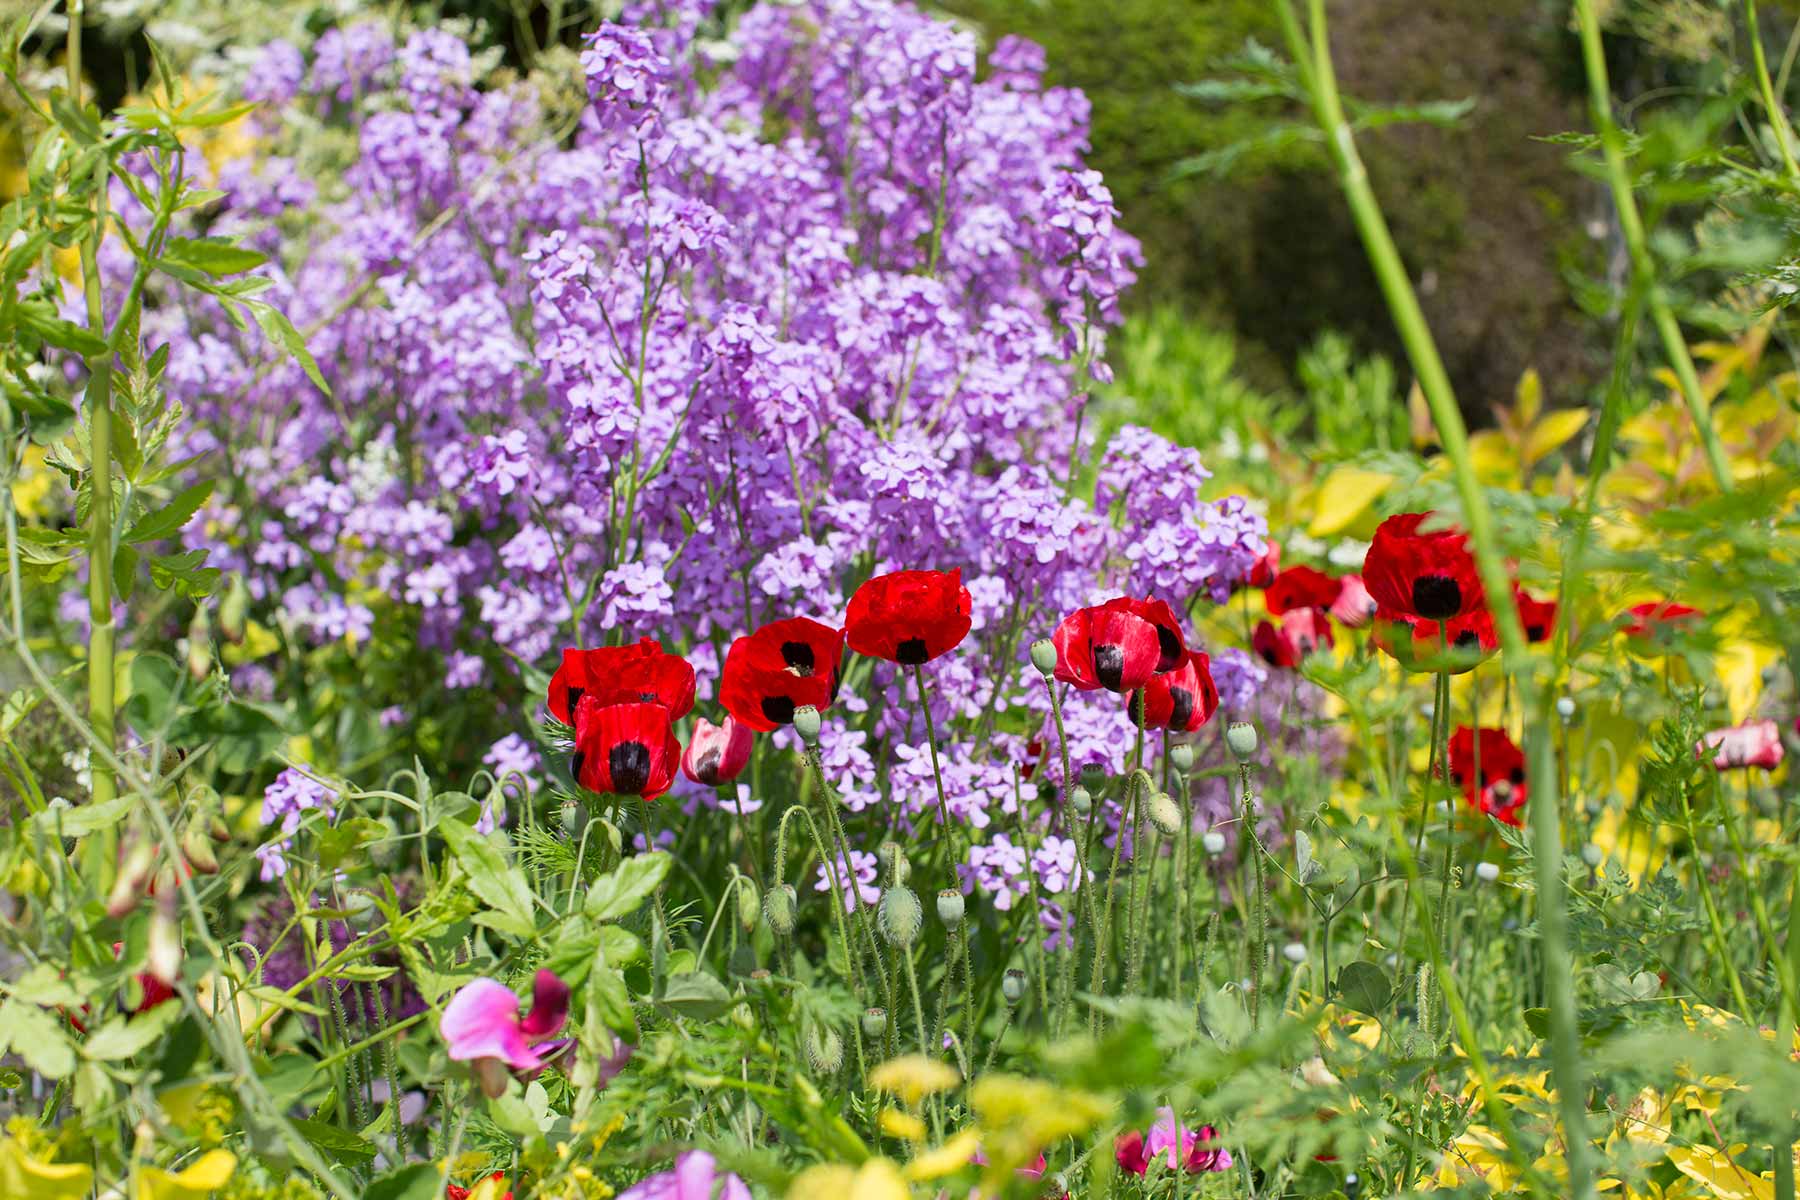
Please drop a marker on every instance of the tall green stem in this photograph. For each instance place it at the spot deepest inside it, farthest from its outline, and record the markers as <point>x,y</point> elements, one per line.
<point>1784,134</point>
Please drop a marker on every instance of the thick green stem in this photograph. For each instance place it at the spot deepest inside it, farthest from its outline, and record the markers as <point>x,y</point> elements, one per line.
<point>1784,134</point>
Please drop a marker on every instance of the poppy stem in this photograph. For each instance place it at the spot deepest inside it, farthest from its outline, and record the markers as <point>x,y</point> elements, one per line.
<point>1759,907</point>
<point>937,777</point>
<point>1259,929</point>
<point>1711,903</point>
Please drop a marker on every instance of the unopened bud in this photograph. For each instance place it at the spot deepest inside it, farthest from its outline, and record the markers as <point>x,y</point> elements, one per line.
<point>806,724</point>
<point>1592,855</point>
<point>1213,842</point>
<point>950,906</point>
<point>1181,757</point>
<point>133,874</point>
<point>385,851</point>
<point>874,1022</point>
<point>1487,872</point>
<point>893,861</point>
<point>234,611</point>
<point>196,848</point>
<point>199,646</point>
<point>1241,737</point>
<point>824,1050</point>
<point>1043,656</point>
<point>1294,952</point>
<point>747,905</point>
<point>573,818</point>
<point>1565,707</point>
<point>163,959</point>
<point>1093,776</point>
<point>901,916</point>
<point>1080,800</point>
<point>1012,985</point>
<point>1165,814</point>
<point>360,911</point>
<point>778,908</point>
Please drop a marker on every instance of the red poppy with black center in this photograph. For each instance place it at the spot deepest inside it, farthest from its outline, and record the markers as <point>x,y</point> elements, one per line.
<point>624,749</point>
<point>1537,616</point>
<point>1106,647</point>
<point>452,1192</point>
<point>1418,573</point>
<point>1171,645</point>
<point>1302,632</point>
<point>783,666</point>
<point>1659,619</point>
<point>909,617</point>
<point>1181,700</point>
<point>1500,790</point>
<point>1463,644</point>
<point>618,674</point>
<point>1301,587</point>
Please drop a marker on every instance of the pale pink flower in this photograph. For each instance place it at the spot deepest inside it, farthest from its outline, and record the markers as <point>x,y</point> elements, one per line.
<point>695,1176</point>
<point>1196,1149</point>
<point>1354,607</point>
<point>483,1027</point>
<point>1752,744</point>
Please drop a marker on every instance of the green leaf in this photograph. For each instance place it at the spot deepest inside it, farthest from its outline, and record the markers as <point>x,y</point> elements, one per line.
<point>168,520</point>
<point>621,891</point>
<point>278,329</point>
<point>37,1037</point>
<point>498,884</point>
<point>183,572</point>
<point>42,320</point>
<point>697,995</point>
<point>415,1181</point>
<point>1365,987</point>
<point>125,445</point>
<point>123,1037</point>
<point>155,683</point>
<point>344,1146</point>
<point>611,998</point>
<point>215,256</point>
<point>124,571</point>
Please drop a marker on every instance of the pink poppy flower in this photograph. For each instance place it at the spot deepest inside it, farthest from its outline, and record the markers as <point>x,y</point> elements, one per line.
<point>1752,744</point>
<point>695,1176</point>
<point>717,754</point>
<point>1354,607</point>
<point>483,1027</point>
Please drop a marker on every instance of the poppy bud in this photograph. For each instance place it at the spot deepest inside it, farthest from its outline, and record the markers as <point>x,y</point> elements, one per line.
<point>1043,655</point>
<point>778,908</point>
<point>901,916</point>
<point>1241,737</point>
<point>1294,952</point>
<point>748,906</point>
<point>1093,776</point>
<point>360,911</point>
<point>573,818</point>
<point>1165,814</point>
<point>1213,842</point>
<point>1592,855</point>
<point>199,647</point>
<point>806,724</point>
<point>234,611</point>
<point>1352,1186</point>
<point>164,952</point>
<point>1487,872</point>
<point>1565,707</point>
<point>950,907</point>
<point>1012,985</point>
<point>1080,800</point>
<point>893,861</point>
<point>1181,757</point>
<point>874,1022</point>
<point>824,1050</point>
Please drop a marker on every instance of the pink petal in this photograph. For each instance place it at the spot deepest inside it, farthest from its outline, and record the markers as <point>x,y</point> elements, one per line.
<point>482,1021</point>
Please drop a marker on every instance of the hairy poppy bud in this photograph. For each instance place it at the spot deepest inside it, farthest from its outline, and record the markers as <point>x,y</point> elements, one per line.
<point>747,904</point>
<point>1165,814</point>
<point>1241,737</point>
<point>1043,655</point>
<point>1213,842</point>
<point>1181,757</point>
<point>824,1050</point>
<point>874,1022</point>
<point>196,848</point>
<point>573,817</point>
<point>1012,985</point>
<point>133,874</point>
<point>806,724</point>
<point>950,907</point>
<point>778,907</point>
<point>385,850</point>
<point>893,861</point>
<point>234,611</point>
<point>1487,872</point>
<point>360,911</point>
<point>1592,855</point>
<point>1080,800</point>
<point>901,916</point>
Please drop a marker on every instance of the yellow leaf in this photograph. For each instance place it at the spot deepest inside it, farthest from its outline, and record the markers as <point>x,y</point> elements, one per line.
<point>912,1077</point>
<point>208,1173</point>
<point>1494,459</point>
<point>1345,495</point>
<point>258,642</point>
<point>1719,1175</point>
<point>877,1179</point>
<point>1528,397</point>
<point>938,1161</point>
<point>1555,429</point>
<point>899,1124</point>
<point>28,1178</point>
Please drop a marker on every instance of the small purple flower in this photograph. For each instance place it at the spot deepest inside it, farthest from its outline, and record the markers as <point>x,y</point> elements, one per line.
<point>861,878</point>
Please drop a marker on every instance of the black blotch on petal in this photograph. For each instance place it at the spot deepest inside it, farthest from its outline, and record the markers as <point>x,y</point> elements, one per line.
<point>1168,644</point>
<point>1517,775</point>
<point>629,763</point>
<point>575,695</point>
<point>911,652</point>
<point>575,763</point>
<point>1181,711</point>
<point>707,769</point>
<point>1436,597</point>
<point>779,709</point>
<point>1109,666</point>
<point>799,657</point>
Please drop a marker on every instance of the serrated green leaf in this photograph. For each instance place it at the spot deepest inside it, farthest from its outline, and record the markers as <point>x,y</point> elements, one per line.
<point>278,329</point>
<point>122,1036</point>
<point>168,520</point>
<point>497,883</point>
<point>620,892</point>
<point>214,256</point>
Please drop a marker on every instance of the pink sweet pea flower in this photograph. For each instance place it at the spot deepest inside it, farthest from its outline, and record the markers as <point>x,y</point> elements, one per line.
<point>1197,1150</point>
<point>482,1026</point>
<point>695,1176</point>
<point>1752,744</point>
<point>1354,607</point>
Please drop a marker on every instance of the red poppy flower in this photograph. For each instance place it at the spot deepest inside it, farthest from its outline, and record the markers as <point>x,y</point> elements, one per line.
<point>1537,616</point>
<point>1301,632</point>
<point>1106,647</point>
<point>1262,572</point>
<point>622,674</point>
<point>782,666</point>
<point>1170,644</point>
<point>1182,700</point>
<point>624,749</point>
<point>1659,619</point>
<point>1301,587</point>
<point>909,617</point>
<point>452,1192</point>
<point>1128,1150</point>
<point>1420,574</point>
<point>717,754</point>
<point>1465,643</point>
<point>1501,790</point>
<point>1354,607</point>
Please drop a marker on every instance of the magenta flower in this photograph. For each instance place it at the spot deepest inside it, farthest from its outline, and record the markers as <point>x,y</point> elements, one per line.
<point>695,1176</point>
<point>1196,1149</point>
<point>1752,744</point>
<point>483,1027</point>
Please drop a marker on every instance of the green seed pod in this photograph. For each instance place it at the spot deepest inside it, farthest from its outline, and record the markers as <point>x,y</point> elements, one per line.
<point>234,611</point>
<point>778,908</point>
<point>360,911</point>
<point>806,724</point>
<point>1093,777</point>
<point>1012,985</point>
<point>901,916</point>
<point>824,1050</point>
<point>573,818</point>
<point>874,1022</point>
<point>196,848</point>
<point>1181,757</point>
<point>1165,814</point>
<point>1080,800</point>
<point>1043,656</point>
<point>747,905</point>
<point>893,861</point>
<point>1241,737</point>
<point>950,907</point>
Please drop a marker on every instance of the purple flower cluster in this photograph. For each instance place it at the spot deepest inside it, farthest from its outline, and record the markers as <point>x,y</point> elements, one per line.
<point>286,801</point>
